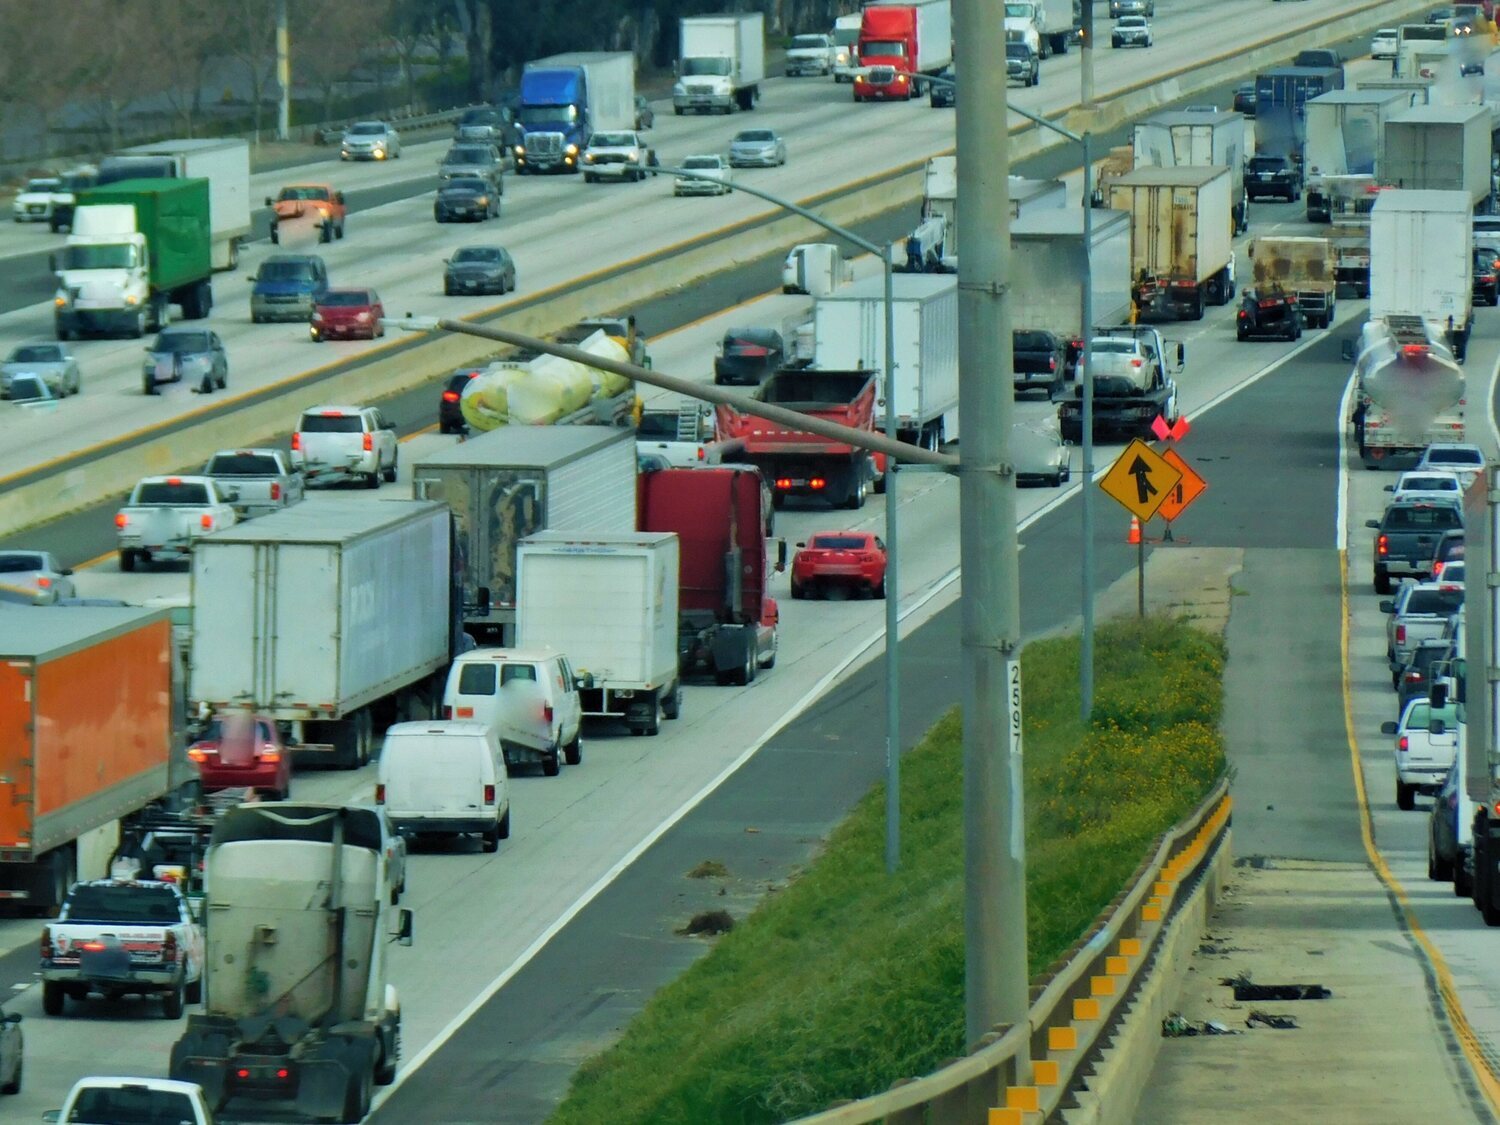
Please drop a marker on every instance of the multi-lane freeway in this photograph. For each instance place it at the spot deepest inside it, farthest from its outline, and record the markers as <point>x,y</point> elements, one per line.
<point>528,960</point>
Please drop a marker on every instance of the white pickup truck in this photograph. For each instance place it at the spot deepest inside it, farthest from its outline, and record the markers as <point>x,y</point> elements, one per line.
<point>265,480</point>
<point>123,936</point>
<point>1426,746</point>
<point>1419,612</point>
<point>682,439</point>
<point>134,1099</point>
<point>165,515</point>
<point>621,155</point>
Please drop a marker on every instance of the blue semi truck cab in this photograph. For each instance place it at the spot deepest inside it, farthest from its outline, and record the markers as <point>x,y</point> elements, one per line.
<point>565,100</point>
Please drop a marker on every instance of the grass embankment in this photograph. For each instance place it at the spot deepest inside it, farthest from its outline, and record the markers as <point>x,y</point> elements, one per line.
<point>849,979</point>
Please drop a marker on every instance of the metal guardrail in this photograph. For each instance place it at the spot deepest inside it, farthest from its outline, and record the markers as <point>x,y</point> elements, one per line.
<point>1072,1009</point>
<point>331,132</point>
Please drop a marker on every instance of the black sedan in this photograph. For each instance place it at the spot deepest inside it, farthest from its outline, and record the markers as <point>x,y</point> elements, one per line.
<point>479,269</point>
<point>1449,856</point>
<point>1244,99</point>
<point>450,409</point>
<point>944,92</point>
<point>470,198</point>
<point>748,355</point>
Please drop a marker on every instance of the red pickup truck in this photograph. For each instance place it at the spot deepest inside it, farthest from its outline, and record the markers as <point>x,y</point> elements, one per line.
<point>798,463</point>
<point>319,205</point>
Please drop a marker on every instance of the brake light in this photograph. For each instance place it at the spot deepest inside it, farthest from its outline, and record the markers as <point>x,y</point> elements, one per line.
<point>206,520</point>
<point>296,442</point>
<point>270,754</point>
<point>332,413</point>
<point>1136,363</point>
<point>46,943</point>
<point>174,480</point>
<point>1381,545</point>
<point>380,794</point>
<point>91,946</point>
<point>450,396</point>
<point>702,456</point>
<point>169,946</point>
<point>369,442</point>
<point>1414,677</point>
<point>197,754</point>
<point>546,712</point>
<point>283,1073</point>
<point>1437,568</point>
<point>43,581</point>
<point>1414,349</point>
<point>447,712</point>
<point>783,483</point>
<point>1051,363</point>
<point>817,483</point>
<point>465,713</point>
<point>1400,634</point>
<point>489,794</point>
<point>1403,744</point>
<point>275,491</point>
<point>121,519</point>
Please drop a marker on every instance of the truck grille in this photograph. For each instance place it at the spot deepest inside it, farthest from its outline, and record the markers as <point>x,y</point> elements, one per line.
<point>544,144</point>
<point>610,158</point>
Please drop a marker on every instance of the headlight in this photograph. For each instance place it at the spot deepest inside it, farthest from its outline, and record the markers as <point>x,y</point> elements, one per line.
<point>588,158</point>
<point>520,150</point>
<point>679,88</point>
<point>61,300</point>
<point>901,78</point>
<point>482,200</point>
<point>317,317</point>
<point>363,318</point>
<point>571,150</point>
<point>132,299</point>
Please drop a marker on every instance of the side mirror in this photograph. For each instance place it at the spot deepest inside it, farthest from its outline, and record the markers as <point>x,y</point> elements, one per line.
<point>12,1017</point>
<point>1388,606</point>
<point>1181,354</point>
<point>251,280</point>
<point>1346,351</point>
<point>1437,696</point>
<point>780,555</point>
<point>52,1115</point>
<point>270,202</point>
<point>404,928</point>
<point>482,596</point>
<point>67,570</point>
<point>1375,524</point>
<point>1387,728</point>
<point>802,544</point>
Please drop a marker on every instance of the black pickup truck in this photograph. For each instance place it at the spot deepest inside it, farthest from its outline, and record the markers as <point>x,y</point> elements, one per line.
<point>1406,536</point>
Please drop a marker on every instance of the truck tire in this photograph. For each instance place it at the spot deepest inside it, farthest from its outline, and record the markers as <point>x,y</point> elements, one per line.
<point>671,705</point>
<point>357,1094</point>
<point>1382,582</point>
<point>385,1071</point>
<point>127,560</point>
<point>138,329</point>
<point>490,841</point>
<point>551,765</point>
<point>504,827</point>
<point>53,998</point>
<point>172,1003</point>
<point>195,991</point>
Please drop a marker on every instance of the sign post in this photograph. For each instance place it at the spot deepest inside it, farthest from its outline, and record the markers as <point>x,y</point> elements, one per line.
<point>1141,480</point>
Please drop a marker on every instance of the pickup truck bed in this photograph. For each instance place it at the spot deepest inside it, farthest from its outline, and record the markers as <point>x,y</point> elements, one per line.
<point>165,515</point>
<point>1419,612</point>
<point>262,479</point>
<point>1405,537</point>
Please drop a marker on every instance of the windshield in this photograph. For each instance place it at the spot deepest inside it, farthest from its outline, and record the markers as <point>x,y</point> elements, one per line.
<point>1455,457</point>
<point>663,426</point>
<point>613,140</point>
<point>756,136</point>
<point>466,183</point>
<point>481,117</point>
<point>1436,518</point>
<point>112,256</point>
<point>93,902</point>
<point>548,114</point>
<point>1433,483</point>
<point>1017,51</point>
<point>331,424</point>
<point>702,162</point>
<point>709,66</point>
<point>19,562</point>
<point>166,492</point>
<point>809,41</point>
<point>474,154</point>
<point>1117,347</point>
<point>1018,11</point>
<point>367,129</point>
<point>881,48</point>
<point>239,729</point>
<point>286,271</point>
<point>477,254</point>
<point>181,342</point>
<point>43,185</point>
<point>303,193</point>
<point>348,298</point>
<point>1267,163</point>
<point>243,465</point>
<point>36,353</point>
<point>132,1105</point>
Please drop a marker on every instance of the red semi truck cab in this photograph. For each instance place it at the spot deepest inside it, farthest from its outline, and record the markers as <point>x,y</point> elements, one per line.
<point>909,39</point>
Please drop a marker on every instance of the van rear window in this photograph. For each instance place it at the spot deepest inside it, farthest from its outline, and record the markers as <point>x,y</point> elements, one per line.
<point>477,679</point>
<point>510,673</point>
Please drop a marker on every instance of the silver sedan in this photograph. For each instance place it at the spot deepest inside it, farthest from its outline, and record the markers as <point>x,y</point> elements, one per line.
<point>371,140</point>
<point>757,148</point>
<point>52,363</point>
<point>37,570</point>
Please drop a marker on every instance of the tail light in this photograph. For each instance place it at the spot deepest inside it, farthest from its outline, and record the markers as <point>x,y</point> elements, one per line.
<point>783,484</point>
<point>46,943</point>
<point>465,713</point>
<point>1403,743</point>
<point>206,520</point>
<point>450,396</point>
<point>380,794</point>
<point>1414,349</point>
<point>94,945</point>
<point>447,712</point>
<point>1382,545</point>
<point>489,794</point>
<point>1400,634</point>
<point>1051,363</point>
<point>702,454</point>
<point>43,582</point>
<point>817,483</point>
<point>275,490</point>
<point>169,946</point>
<point>121,519</point>
<point>369,442</point>
<point>1414,677</point>
<point>1136,363</point>
<point>546,712</point>
<point>296,442</point>
<point>270,754</point>
<point>197,754</point>
<point>1437,568</point>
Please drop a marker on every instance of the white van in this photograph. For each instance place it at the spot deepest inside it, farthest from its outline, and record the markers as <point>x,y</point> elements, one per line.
<point>529,696</point>
<point>445,779</point>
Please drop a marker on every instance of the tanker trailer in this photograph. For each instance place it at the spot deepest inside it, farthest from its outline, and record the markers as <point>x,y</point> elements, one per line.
<point>1409,392</point>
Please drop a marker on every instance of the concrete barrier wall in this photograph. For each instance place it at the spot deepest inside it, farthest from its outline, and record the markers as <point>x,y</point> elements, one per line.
<point>93,476</point>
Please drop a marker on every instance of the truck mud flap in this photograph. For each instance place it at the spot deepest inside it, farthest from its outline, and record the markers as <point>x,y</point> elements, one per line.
<point>202,1056</point>
<point>329,1076</point>
<point>731,648</point>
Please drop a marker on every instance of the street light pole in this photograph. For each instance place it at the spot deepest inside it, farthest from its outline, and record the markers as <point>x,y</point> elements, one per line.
<point>1086,56</point>
<point>1086,383</point>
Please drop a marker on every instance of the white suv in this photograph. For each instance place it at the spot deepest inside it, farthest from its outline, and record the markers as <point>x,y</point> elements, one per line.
<point>529,695</point>
<point>339,442</point>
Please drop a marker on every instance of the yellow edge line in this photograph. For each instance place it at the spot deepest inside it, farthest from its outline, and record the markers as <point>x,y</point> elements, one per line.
<point>1468,1041</point>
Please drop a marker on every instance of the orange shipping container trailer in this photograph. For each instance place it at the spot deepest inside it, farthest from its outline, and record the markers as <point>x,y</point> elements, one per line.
<point>85,733</point>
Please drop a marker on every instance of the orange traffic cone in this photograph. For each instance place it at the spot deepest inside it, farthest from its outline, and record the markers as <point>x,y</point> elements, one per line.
<point>1135,531</point>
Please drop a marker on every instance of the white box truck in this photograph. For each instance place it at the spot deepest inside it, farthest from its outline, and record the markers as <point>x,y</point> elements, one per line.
<point>1439,148</point>
<point>721,62</point>
<point>324,616</point>
<point>1047,271</point>
<point>1422,261</point>
<point>940,198</point>
<point>225,164</point>
<point>1181,231</point>
<point>518,480</point>
<point>1345,136</point>
<point>609,603</point>
<point>815,268</point>
<point>1188,138</point>
<point>849,334</point>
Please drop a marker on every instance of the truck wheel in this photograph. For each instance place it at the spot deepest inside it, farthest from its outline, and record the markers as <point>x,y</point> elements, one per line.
<point>127,560</point>
<point>372,480</point>
<point>195,991</point>
<point>14,1085</point>
<point>671,706</point>
<point>171,1004</point>
<point>52,997</point>
<point>138,329</point>
<point>504,828</point>
<point>357,1096</point>
<point>551,765</point>
<point>490,841</point>
<point>653,721</point>
<point>573,751</point>
<point>389,475</point>
<point>385,1073</point>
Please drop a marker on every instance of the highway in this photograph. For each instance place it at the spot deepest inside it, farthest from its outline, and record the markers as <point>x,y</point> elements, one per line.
<point>482,920</point>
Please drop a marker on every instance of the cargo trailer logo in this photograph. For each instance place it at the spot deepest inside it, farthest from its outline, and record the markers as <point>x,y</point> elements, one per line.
<point>361,603</point>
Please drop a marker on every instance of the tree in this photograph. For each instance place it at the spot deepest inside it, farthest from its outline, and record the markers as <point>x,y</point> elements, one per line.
<point>110,72</point>
<point>247,33</point>
<point>328,40</point>
<point>182,39</point>
<point>37,83</point>
<point>412,25</point>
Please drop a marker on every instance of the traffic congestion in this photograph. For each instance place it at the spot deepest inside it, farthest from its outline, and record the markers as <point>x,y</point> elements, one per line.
<point>465,645</point>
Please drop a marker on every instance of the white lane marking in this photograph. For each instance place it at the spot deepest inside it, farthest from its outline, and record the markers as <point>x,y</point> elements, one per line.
<point>1341,512</point>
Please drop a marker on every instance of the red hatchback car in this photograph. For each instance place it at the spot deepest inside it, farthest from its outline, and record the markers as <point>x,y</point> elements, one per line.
<point>855,559</point>
<point>240,751</point>
<point>348,314</point>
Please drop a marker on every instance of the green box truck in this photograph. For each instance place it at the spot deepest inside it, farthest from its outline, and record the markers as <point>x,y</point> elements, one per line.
<point>137,247</point>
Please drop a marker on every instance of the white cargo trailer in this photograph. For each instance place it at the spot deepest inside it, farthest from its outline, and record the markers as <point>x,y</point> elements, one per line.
<point>1439,148</point>
<point>1422,261</point>
<point>1345,136</point>
<point>518,480</point>
<point>940,197</point>
<point>1047,269</point>
<point>1181,232</point>
<point>609,602</point>
<point>849,335</point>
<point>319,614</point>
<point>1188,138</point>
<point>721,62</point>
<point>225,164</point>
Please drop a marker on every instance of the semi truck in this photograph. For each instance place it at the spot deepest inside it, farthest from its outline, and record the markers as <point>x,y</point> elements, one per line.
<point>1301,270</point>
<point>1064,23</point>
<point>1422,262</point>
<point>1181,230</point>
<point>798,463</point>
<point>371,580</point>
<point>514,482</point>
<point>849,335</point>
<point>136,248</point>
<point>1440,148</point>
<point>1281,97</point>
<point>565,100</point>
<point>1409,392</point>
<point>721,62</point>
<point>223,161</point>
<point>723,518</point>
<point>609,601</point>
<point>1047,272</point>
<point>1184,138</point>
<point>296,1006</point>
<point>86,740</point>
<point>1345,136</point>
<point>898,42</point>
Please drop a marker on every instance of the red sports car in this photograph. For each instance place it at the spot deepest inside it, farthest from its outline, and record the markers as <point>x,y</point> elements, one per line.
<point>855,559</point>
<point>348,314</point>
<point>241,751</point>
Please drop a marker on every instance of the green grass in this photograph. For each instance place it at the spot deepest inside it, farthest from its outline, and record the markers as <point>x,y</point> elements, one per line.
<point>849,979</point>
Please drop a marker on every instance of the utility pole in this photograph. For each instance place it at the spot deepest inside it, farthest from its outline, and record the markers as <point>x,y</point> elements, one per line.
<point>283,74</point>
<point>994,808</point>
<point>1086,58</point>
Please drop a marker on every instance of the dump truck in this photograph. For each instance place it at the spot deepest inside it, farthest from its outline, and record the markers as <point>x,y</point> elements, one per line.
<point>1181,227</point>
<point>1300,269</point>
<point>296,1006</point>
